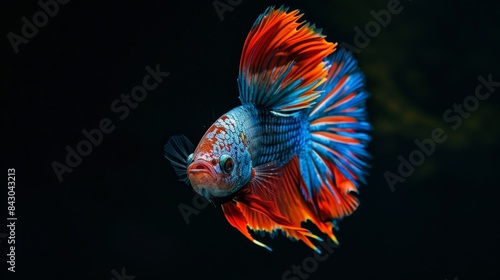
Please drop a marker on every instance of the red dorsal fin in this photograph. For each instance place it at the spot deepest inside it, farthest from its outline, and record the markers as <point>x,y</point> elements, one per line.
<point>282,62</point>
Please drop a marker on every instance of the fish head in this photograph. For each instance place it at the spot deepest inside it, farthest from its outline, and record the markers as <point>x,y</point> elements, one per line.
<point>221,163</point>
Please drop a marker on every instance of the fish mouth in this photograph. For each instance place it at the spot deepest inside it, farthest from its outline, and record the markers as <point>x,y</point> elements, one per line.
<point>201,167</point>
<point>206,182</point>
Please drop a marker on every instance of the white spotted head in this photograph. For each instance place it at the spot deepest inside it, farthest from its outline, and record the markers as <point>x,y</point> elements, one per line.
<point>221,164</point>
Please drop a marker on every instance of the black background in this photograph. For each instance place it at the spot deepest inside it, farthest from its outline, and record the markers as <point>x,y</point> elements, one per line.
<point>119,207</point>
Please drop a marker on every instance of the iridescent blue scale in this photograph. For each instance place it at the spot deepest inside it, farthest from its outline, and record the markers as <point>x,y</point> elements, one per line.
<point>271,136</point>
<point>286,135</point>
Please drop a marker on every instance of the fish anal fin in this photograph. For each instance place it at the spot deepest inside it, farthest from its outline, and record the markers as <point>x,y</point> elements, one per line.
<point>235,217</point>
<point>276,204</point>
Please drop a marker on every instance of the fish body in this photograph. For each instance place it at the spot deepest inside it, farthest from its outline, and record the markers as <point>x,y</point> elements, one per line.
<point>295,150</point>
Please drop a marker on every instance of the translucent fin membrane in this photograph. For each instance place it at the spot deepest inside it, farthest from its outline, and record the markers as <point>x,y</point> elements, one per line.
<point>177,150</point>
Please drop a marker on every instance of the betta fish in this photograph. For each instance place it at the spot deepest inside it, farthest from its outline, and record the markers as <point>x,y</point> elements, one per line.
<point>295,151</point>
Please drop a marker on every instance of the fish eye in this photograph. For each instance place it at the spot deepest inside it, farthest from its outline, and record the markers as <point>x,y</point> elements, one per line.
<point>190,158</point>
<point>226,163</point>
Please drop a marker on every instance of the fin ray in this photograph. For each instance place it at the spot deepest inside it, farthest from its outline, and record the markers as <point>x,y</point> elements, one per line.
<point>177,149</point>
<point>284,200</point>
<point>338,139</point>
<point>282,62</point>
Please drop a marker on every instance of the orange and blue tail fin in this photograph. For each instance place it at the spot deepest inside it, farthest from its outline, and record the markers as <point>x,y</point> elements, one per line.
<point>335,161</point>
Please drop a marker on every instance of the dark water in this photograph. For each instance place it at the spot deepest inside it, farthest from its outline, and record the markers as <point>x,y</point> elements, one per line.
<point>119,207</point>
